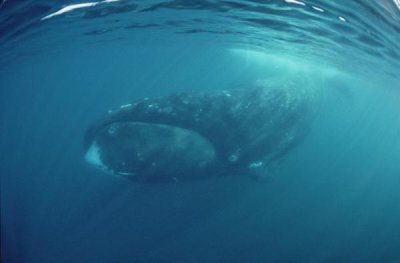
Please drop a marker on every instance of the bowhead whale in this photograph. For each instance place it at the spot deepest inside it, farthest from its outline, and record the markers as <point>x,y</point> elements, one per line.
<point>191,136</point>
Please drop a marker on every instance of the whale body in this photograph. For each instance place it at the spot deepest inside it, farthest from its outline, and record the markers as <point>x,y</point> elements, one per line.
<point>192,136</point>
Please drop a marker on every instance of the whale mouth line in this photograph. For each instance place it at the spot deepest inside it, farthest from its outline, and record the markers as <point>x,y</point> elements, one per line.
<point>149,150</point>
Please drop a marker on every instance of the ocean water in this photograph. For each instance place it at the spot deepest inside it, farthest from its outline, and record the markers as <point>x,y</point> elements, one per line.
<point>334,198</point>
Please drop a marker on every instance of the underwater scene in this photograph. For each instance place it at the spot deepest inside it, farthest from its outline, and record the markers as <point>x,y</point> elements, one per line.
<point>200,131</point>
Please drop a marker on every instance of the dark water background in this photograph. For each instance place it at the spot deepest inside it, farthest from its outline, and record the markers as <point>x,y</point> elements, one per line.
<point>335,198</point>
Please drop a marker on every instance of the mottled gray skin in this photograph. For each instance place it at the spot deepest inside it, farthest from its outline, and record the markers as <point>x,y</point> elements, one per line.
<point>248,129</point>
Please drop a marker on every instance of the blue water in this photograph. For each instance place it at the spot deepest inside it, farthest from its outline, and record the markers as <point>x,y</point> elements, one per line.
<point>334,198</point>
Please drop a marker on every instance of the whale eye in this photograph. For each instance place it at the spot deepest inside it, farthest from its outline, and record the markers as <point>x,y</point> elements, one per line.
<point>150,152</point>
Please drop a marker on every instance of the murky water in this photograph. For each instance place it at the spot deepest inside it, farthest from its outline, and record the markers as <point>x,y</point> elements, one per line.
<point>333,197</point>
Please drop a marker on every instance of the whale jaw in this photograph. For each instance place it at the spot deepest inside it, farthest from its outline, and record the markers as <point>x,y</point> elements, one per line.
<point>150,152</point>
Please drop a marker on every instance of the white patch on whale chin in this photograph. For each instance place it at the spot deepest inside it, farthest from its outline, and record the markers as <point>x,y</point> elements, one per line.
<point>92,156</point>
